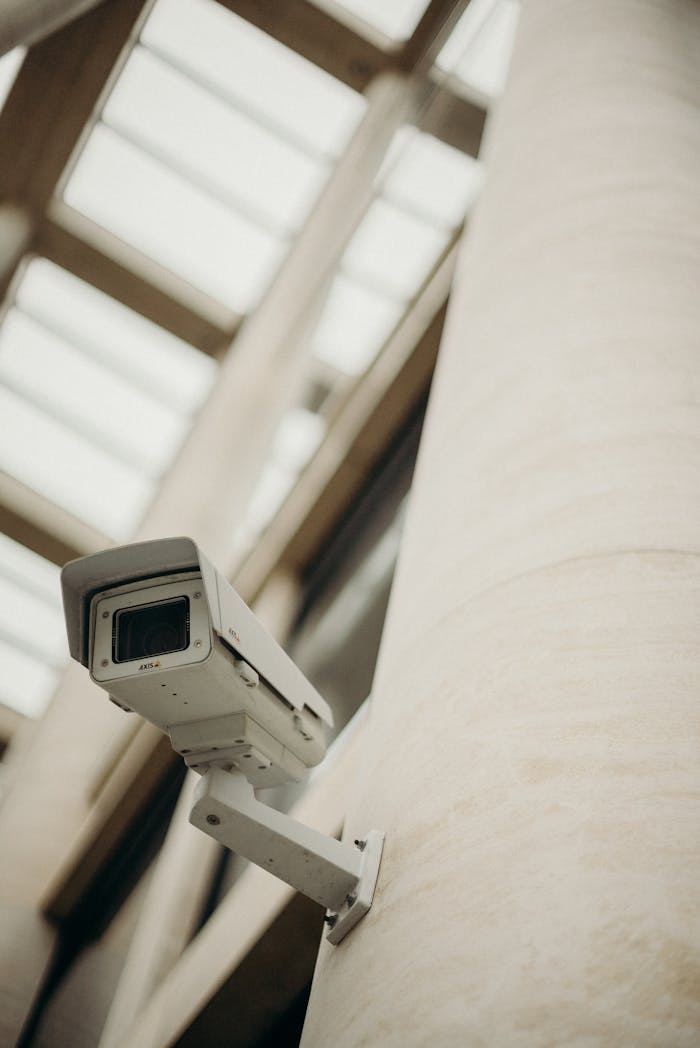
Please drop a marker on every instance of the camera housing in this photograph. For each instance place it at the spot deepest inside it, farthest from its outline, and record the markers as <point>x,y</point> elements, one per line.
<point>167,636</point>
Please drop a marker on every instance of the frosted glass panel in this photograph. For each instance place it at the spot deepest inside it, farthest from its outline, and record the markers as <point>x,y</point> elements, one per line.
<point>430,178</point>
<point>68,470</point>
<point>172,221</point>
<point>264,77</point>
<point>137,349</point>
<point>66,383</point>
<point>255,171</point>
<point>354,325</point>
<point>478,51</point>
<point>394,250</point>
<point>26,684</point>
<point>394,18</point>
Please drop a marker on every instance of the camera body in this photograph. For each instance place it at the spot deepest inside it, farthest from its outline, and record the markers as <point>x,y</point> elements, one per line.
<point>167,636</point>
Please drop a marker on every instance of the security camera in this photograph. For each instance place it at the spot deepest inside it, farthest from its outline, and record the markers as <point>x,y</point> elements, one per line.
<point>166,635</point>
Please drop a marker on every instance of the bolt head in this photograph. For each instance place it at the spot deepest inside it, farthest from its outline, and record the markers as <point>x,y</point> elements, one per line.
<point>213,820</point>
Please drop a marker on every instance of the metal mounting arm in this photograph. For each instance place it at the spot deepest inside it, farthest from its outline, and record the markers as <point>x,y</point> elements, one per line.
<point>339,875</point>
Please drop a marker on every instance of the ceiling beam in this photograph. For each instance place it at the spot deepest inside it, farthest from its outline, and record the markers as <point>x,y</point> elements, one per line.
<point>96,256</point>
<point>26,21</point>
<point>50,531</point>
<point>56,91</point>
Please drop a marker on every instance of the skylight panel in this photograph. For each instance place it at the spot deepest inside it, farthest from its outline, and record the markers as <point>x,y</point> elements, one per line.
<point>393,250</point>
<point>10,64</point>
<point>135,348</point>
<point>26,568</point>
<point>224,151</point>
<point>26,683</point>
<point>478,51</point>
<point>272,489</point>
<point>97,399</point>
<point>394,18</point>
<point>31,613</point>
<point>70,471</point>
<point>67,384</point>
<point>31,623</point>
<point>430,178</point>
<point>266,79</point>
<point>298,436</point>
<point>160,213</point>
<point>354,325</point>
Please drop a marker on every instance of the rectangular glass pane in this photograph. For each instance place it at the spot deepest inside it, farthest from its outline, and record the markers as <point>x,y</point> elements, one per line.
<point>478,51</point>
<point>354,325</point>
<point>26,684</point>
<point>430,178</point>
<point>26,568</point>
<point>32,624</point>
<point>135,348</point>
<point>265,78</point>
<point>268,180</point>
<point>394,18</point>
<point>146,204</point>
<point>90,398</point>
<point>393,250</point>
<point>67,470</point>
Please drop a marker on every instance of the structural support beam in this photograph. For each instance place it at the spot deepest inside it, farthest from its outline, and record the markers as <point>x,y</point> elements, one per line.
<point>534,754</point>
<point>92,254</point>
<point>24,22</point>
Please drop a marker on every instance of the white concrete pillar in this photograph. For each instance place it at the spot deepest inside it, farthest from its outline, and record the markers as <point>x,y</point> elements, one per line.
<point>535,753</point>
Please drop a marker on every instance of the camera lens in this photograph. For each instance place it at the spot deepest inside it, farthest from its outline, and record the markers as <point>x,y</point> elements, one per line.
<point>151,629</point>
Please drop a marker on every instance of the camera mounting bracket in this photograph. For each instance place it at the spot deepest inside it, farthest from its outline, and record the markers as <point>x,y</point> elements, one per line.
<point>338,875</point>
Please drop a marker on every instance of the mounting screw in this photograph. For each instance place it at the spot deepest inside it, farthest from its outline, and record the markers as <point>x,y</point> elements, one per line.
<point>198,644</point>
<point>105,614</point>
<point>213,820</point>
<point>330,919</point>
<point>197,596</point>
<point>360,844</point>
<point>105,662</point>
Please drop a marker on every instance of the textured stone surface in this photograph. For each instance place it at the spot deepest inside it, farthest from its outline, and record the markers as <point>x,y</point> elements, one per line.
<point>535,754</point>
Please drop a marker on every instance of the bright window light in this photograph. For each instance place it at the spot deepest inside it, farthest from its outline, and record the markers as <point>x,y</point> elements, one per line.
<point>9,68</point>
<point>68,384</point>
<point>32,634</point>
<point>393,250</point>
<point>478,51</point>
<point>96,400</point>
<point>298,436</point>
<point>394,18</point>
<point>26,683</point>
<point>160,213</point>
<point>31,623</point>
<point>354,325</point>
<point>246,165</point>
<point>64,467</point>
<point>430,178</point>
<point>272,489</point>
<point>263,77</point>
<point>169,369</point>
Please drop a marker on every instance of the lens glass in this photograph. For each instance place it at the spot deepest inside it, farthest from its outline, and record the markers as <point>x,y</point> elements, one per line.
<point>151,629</point>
